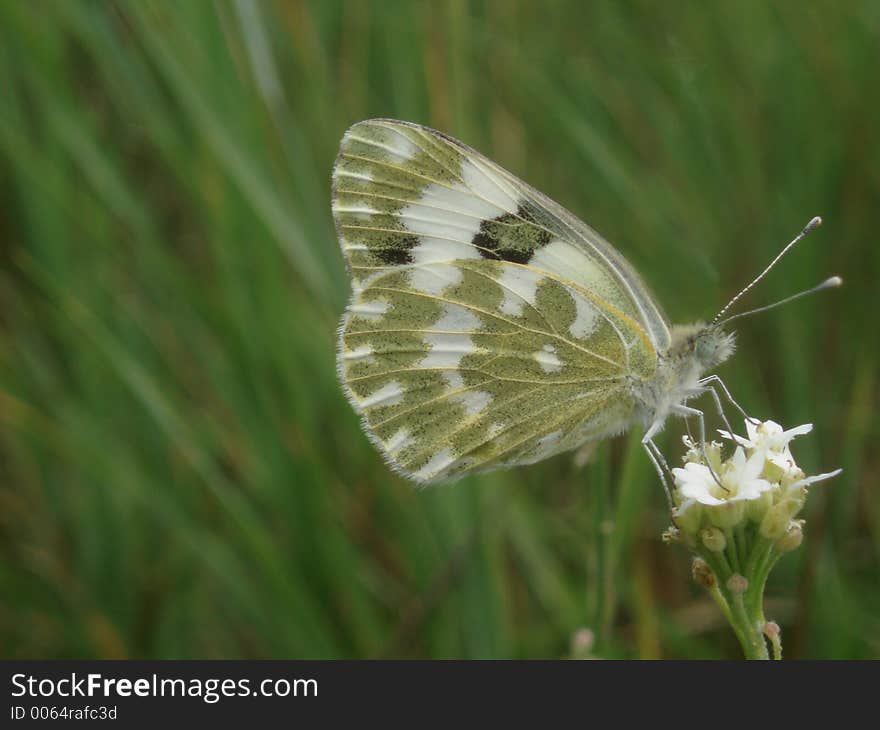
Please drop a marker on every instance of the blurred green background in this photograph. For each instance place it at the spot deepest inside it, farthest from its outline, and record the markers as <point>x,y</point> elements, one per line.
<point>181,475</point>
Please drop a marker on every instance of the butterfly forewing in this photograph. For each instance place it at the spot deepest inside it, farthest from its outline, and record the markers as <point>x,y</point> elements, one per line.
<point>485,329</point>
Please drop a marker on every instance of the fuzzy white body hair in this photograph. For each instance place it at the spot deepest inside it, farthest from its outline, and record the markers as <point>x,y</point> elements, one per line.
<point>694,350</point>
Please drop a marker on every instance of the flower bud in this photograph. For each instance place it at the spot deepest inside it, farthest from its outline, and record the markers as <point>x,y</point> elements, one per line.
<point>792,538</point>
<point>713,539</point>
<point>688,520</point>
<point>775,522</point>
<point>757,508</point>
<point>791,475</point>
<point>582,642</point>
<point>737,584</point>
<point>702,573</point>
<point>727,515</point>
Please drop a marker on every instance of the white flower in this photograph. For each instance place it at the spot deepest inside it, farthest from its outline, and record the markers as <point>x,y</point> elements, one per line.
<point>739,479</point>
<point>724,503</point>
<point>767,434</point>
<point>760,482</point>
<point>770,438</point>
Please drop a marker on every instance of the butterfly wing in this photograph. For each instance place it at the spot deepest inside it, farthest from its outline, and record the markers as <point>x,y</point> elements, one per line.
<point>488,326</point>
<point>396,183</point>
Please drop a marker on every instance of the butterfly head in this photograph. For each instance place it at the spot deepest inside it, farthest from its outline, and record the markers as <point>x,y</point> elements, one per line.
<point>712,346</point>
<point>703,345</point>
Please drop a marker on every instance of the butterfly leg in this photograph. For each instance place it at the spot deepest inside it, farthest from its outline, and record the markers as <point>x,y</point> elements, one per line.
<point>653,452</point>
<point>688,411</point>
<point>718,405</point>
<point>710,381</point>
<point>658,460</point>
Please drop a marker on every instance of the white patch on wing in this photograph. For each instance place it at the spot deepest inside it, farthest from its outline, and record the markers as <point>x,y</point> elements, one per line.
<point>365,176</point>
<point>460,199</point>
<point>397,441</point>
<point>430,272</point>
<point>440,249</point>
<point>456,318</point>
<point>474,401</point>
<point>587,317</point>
<point>370,310</point>
<point>397,144</point>
<point>360,353</point>
<point>441,461</point>
<point>388,395</point>
<point>547,359</point>
<point>446,350</point>
<point>348,246</point>
<point>520,285</point>
<point>453,379</point>
<point>358,210</point>
<point>435,278</point>
<point>546,445</point>
<point>483,186</point>
<point>569,262</point>
<point>425,221</point>
<point>450,341</point>
<point>403,147</point>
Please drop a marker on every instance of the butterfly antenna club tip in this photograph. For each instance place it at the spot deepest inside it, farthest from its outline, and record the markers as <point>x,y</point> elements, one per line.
<point>815,222</point>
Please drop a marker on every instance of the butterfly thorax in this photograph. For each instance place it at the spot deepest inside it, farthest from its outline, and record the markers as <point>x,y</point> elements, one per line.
<point>695,349</point>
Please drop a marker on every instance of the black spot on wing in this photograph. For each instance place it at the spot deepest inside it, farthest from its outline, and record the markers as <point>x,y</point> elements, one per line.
<point>398,254</point>
<point>509,237</point>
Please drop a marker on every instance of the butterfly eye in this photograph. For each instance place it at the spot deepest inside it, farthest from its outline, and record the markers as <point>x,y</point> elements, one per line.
<point>706,349</point>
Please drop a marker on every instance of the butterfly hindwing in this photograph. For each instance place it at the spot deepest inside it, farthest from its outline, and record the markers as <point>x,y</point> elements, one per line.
<point>484,330</point>
<point>476,364</point>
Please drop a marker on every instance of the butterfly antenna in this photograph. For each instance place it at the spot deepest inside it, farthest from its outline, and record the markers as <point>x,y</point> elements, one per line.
<point>827,284</point>
<point>815,223</point>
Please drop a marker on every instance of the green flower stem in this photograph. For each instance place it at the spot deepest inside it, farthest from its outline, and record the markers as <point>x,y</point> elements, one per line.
<point>741,541</point>
<point>760,562</point>
<point>754,646</point>
<point>732,550</point>
<point>719,599</point>
<point>720,569</point>
<point>744,611</point>
<point>722,561</point>
<point>761,548</point>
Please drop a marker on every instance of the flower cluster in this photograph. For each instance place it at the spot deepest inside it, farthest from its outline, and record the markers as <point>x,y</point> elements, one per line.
<point>738,516</point>
<point>759,484</point>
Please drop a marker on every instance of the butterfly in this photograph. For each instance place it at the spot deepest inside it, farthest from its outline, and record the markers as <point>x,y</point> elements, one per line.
<point>488,327</point>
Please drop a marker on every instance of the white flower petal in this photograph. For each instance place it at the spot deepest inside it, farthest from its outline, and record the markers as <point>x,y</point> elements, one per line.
<point>753,467</point>
<point>798,431</point>
<point>807,481</point>
<point>751,489</point>
<point>738,461</point>
<point>695,482</point>
<point>752,431</point>
<point>735,438</point>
